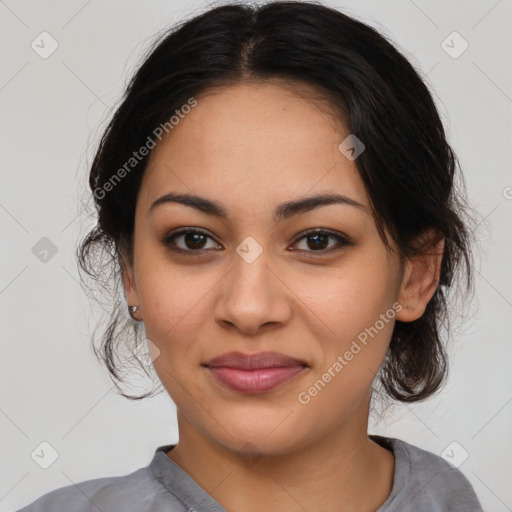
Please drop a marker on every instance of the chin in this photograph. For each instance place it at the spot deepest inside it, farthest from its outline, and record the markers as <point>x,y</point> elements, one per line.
<point>254,436</point>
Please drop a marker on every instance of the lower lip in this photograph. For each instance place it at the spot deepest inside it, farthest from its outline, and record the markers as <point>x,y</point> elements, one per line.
<point>255,381</point>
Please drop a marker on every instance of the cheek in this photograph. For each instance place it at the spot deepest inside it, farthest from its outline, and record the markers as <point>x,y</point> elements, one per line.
<point>354,306</point>
<point>175,307</point>
<point>174,300</point>
<point>350,298</point>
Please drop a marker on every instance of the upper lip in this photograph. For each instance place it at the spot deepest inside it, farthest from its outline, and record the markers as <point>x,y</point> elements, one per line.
<point>254,361</point>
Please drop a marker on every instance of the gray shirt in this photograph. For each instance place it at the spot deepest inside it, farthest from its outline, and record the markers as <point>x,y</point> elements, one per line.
<point>422,482</point>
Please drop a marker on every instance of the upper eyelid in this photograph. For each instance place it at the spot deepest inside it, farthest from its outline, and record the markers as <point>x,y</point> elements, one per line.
<point>314,231</point>
<point>185,231</point>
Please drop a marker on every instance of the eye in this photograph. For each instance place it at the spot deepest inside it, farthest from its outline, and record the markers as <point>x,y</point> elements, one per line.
<point>189,240</point>
<point>195,240</point>
<point>317,240</point>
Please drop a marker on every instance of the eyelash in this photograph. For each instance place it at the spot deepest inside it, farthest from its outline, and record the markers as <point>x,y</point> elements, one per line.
<point>168,240</point>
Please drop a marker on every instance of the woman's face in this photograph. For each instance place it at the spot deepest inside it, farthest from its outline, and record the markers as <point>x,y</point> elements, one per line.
<point>252,281</point>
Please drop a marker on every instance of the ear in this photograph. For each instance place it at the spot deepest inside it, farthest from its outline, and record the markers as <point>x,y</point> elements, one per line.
<point>420,277</point>
<point>128,278</point>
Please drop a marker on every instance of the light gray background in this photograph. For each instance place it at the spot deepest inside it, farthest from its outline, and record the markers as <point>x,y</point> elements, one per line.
<point>52,388</point>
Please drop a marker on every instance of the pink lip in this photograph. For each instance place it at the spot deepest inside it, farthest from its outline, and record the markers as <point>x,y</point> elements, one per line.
<point>254,373</point>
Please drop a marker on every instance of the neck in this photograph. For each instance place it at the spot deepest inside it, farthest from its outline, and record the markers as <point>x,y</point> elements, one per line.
<point>345,470</point>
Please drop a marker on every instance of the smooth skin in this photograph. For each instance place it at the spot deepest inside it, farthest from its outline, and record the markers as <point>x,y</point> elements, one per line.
<point>251,147</point>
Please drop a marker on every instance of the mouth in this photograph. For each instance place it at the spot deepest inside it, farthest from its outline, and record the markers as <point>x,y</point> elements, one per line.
<point>254,373</point>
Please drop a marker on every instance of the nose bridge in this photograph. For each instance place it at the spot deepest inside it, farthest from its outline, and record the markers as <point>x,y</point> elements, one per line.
<point>250,274</point>
<point>250,296</point>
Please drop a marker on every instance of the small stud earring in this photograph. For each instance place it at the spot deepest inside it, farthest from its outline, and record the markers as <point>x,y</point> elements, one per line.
<point>132,310</point>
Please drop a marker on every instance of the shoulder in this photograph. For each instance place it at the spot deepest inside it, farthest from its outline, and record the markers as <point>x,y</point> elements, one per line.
<point>424,480</point>
<point>137,491</point>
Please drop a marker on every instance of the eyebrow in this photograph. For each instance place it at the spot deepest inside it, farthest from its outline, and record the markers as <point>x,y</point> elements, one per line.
<point>282,211</point>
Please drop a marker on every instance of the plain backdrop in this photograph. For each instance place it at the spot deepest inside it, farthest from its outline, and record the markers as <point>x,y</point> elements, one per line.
<point>52,388</point>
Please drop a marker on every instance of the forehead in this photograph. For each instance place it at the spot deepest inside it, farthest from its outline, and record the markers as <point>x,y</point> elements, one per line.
<point>258,140</point>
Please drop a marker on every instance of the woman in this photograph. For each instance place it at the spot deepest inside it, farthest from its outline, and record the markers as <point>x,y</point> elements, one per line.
<point>277,195</point>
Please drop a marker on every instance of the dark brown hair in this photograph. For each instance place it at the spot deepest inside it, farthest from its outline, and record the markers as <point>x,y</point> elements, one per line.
<point>408,168</point>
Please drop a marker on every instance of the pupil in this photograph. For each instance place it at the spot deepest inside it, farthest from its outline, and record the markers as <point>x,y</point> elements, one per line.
<point>195,240</point>
<point>318,245</point>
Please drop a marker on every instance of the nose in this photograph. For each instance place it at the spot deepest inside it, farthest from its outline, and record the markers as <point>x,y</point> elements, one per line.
<point>252,297</point>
